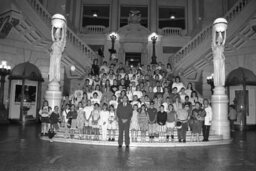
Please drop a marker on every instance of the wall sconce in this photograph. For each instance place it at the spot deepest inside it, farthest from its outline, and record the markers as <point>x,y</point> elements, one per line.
<point>153,37</point>
<point>210,81</point>
<point>72,68</point>
<point>113,37</point>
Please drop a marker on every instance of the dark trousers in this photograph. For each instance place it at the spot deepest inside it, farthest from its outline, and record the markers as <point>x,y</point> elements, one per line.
<point>206,130</point>
<point>232,124</point>
<point>183,131</point>
<point>123,128</point>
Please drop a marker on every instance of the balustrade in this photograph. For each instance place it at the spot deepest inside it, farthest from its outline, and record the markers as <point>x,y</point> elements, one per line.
<point>71,36</point>
<point>94,29</point>
<point>206,33</point>
<point>171,31</point>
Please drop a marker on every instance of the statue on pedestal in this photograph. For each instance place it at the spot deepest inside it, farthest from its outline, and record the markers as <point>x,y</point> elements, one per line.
<point>218,43</point>
<point>58,34</point>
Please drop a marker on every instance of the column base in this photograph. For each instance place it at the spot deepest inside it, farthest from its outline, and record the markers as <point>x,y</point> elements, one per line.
<point>53,95</point>
<point>220,123</point>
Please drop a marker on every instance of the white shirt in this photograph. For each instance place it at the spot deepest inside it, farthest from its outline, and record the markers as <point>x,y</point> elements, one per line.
<point>64,114</point>
<point>165,104</point>
<point>208,116</point>
<point>138,94</point>
<point>155,89</point>
<point>129,95</point>
<point>94,101</point>
<point>178,85</point>
<point>114,103</point>
<point>104,115</point>
<point>88,110</point>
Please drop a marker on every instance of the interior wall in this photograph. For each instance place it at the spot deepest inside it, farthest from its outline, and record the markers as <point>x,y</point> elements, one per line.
<point>15,51</point>
<point>251,117</point>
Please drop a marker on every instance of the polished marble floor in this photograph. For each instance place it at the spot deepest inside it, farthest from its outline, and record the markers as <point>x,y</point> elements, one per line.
<point>22,149</point>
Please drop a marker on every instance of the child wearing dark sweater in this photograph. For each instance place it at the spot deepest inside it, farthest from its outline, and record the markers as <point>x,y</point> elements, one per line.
<point>72,118</point>
<point>161,120</point>
<point>54,119</point>
<point>152,117</point>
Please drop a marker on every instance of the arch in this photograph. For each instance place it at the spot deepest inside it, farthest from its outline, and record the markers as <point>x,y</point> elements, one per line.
<point>241,76</point>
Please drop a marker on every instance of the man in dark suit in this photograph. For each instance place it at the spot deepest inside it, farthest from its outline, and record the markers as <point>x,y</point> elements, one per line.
<point>124,115</point>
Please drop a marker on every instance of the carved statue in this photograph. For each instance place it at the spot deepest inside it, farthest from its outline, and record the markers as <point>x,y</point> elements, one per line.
<point>58,34</point>
<point>218,43</point>
<point>134,17</point>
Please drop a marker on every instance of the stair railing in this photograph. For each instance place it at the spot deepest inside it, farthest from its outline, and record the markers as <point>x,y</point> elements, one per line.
<point>206,32</point>
<point>71,36</point>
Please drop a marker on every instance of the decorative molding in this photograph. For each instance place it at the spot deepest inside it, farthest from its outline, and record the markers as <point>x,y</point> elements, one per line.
<point>8,20</point>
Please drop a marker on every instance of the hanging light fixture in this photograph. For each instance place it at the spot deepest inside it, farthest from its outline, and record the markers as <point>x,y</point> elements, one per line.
<point>95,14</point>
<point>172,16</point>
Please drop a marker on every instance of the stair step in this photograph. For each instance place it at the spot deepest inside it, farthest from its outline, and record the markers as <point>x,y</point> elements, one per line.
<point>61,134</point>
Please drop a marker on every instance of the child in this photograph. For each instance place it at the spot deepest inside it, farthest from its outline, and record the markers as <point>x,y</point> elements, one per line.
<point>72,118</point>
<point>152,115</point>
<point>134,123</point>
<point>104,115</point>
<point>54,119</point>
<point>112,125</point>
<point>170,123</point>
<point>161,120</point>
<point>113,101</point>
<point>80,119</point>
<point>95,121</point>
<point>143,122</point>
<point>87,123</point>
<point>95,99</point>
<point>44,113</point>
<point>64,119</point>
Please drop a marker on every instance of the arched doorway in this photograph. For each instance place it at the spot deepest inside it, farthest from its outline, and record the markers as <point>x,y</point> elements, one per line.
<point>241,84</point>
<point>25,92</point>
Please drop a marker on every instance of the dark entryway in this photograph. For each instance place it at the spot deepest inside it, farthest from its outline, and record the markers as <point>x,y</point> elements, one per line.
<point>133,58</point>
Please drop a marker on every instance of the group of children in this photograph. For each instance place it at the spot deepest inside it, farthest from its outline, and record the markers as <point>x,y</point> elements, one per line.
<point>155,94</point>
<point>50,120</point>
<point>88,120</point>
<point>157,123</point>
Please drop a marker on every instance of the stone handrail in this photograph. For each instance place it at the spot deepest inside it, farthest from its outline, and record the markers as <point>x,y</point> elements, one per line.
<point>171,31</point>
<point>71,36</point>
<point>94,29</point>
<point>206,32</point>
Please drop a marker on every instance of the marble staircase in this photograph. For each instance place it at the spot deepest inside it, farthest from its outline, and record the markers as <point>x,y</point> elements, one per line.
<point>197,54</point>
<point>83,139</point>
<point>36,28</point>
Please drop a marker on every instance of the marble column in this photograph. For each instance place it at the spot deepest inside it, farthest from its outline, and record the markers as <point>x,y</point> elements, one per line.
<point>121,52</point>
<point>220,122</point>
<point>77,14</point>
<point>53,94</point>
<point>114,15</point>
<point>153,15</point>
<point>189,23</point>
<point>144,54</point>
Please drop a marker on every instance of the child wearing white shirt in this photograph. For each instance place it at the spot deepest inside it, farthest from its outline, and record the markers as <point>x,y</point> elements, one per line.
<point>113,101</point>
<point>104,115</point>
<point>88,122</point>
<point>112,125</point>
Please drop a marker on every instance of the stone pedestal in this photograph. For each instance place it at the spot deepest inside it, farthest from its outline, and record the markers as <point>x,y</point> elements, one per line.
<point>220,122</point>
<point>53,95</point>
